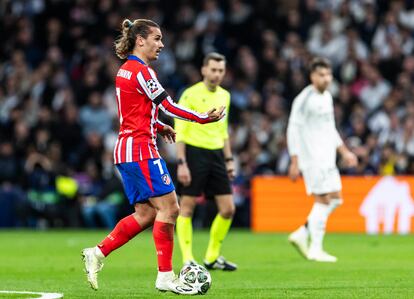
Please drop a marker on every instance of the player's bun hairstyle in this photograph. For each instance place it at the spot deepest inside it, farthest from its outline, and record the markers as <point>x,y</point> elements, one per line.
<point>126,42</point>
<point>213,56</point>
<point>318,62</point>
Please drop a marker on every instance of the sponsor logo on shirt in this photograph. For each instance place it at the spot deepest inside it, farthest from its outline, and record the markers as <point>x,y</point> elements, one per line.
<point>125,132</point>
<point>124,74</point>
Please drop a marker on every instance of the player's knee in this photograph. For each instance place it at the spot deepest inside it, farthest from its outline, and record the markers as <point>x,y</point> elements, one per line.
<point>228,212</point>
<point>322,198</point>
<point>186,211</point>
<point>173,211</point>
<point>187,205</point>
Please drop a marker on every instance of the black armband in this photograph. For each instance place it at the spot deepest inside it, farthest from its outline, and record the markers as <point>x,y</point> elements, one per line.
<point>163,95</point>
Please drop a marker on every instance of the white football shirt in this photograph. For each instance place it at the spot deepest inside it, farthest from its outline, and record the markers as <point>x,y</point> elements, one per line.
<point>311,133</point>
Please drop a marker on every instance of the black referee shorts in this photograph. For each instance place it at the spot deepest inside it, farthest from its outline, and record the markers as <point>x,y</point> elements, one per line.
<point>208,173</point>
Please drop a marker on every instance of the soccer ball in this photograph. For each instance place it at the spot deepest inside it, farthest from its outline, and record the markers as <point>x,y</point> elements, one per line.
<point>197,277</point>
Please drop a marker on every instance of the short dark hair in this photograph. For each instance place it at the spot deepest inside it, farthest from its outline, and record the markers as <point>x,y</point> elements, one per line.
<point>213,56</point>
<point>318,62</point>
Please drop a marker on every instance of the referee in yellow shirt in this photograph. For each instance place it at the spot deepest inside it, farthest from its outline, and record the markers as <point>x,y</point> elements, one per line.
<point>205,163</point>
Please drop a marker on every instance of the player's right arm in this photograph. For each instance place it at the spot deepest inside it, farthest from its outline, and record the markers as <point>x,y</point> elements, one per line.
<point>296,121</point>
<point>148,84</point>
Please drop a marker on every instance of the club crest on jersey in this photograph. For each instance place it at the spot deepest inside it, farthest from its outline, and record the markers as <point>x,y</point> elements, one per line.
<point>152,85</point>
<point>166,179</point>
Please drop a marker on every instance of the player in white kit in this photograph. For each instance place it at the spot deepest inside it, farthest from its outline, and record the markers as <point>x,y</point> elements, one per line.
<point>313,142</point>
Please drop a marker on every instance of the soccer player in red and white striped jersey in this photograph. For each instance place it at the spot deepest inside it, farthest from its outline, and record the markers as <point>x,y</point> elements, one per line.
<point>139,96</point>
<point>147,182</point>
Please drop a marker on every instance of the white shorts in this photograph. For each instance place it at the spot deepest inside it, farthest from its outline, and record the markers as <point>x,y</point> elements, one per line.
<point>321,180</point>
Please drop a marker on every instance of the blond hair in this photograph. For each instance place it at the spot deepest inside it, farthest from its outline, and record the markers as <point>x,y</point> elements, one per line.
<point>125,44</point>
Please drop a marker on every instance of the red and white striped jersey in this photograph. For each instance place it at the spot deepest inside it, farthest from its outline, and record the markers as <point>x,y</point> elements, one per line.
<point>139,94</point>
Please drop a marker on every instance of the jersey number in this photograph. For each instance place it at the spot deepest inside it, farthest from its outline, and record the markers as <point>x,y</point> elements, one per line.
<point>118,99</point>
<point>158,163</point>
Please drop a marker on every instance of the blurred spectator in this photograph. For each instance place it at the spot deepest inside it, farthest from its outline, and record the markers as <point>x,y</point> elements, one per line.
<point>94,118</point>
<point>375,91</point>
<point>99,199</point>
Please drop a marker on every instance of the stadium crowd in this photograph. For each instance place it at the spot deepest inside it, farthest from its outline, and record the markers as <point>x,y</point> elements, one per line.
<point>58,117</point>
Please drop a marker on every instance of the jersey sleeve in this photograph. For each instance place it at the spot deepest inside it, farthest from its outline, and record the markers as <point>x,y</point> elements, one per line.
<point>296,121</point>
<point>159,125</point>
<point>337,138</point>
<point>148,84</point>
<point>177,111</point>
<point>335,134</point>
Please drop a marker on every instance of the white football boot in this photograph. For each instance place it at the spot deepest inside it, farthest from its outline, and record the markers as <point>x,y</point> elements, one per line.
<point>93,264</point>
<point>321,256</point>
<point>300,240</point>
<point>168,281</point>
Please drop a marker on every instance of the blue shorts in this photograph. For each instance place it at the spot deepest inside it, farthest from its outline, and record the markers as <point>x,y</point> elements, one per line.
<point>145,179</point>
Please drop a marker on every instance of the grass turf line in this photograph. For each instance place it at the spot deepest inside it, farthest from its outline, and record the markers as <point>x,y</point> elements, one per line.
<point>368,267</point>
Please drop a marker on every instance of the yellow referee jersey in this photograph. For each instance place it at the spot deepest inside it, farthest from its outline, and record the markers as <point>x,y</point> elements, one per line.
<point>200,99</point>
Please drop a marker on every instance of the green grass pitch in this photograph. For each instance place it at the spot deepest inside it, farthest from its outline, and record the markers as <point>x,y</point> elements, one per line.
<point>368,267</point>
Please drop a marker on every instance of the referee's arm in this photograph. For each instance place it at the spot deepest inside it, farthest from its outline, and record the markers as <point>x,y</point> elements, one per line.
<point>228,156</point>
<point>180,126</point>
<point>183,172</point>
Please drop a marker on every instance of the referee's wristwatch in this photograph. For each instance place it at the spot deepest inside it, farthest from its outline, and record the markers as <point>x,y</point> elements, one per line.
<point>229,159</point>
<point>181,161</point>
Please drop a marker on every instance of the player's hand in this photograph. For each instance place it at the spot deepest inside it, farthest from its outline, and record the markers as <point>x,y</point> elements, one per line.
<point>216,114</point>
<point>183,174</point>
<point>168,134</point>
<point>293,171</point>
<point>231,171</point>
<point>350,159</point>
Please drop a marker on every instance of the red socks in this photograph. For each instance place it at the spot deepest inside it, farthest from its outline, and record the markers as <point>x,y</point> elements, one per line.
<point>164,242</point>
<point>125,230</point>
<point>128,228</point>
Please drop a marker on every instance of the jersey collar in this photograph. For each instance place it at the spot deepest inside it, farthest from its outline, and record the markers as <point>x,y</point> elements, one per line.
<point>133,57</point>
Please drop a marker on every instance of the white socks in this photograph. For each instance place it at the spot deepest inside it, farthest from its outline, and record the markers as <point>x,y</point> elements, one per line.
<point>317,219</point>
<point>316,225</point>
<point>333,204</point>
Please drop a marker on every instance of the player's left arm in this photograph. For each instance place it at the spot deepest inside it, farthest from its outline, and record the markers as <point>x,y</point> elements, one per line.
<point>229,160</point>
<point>228,156</point>
<point>347,156</point>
